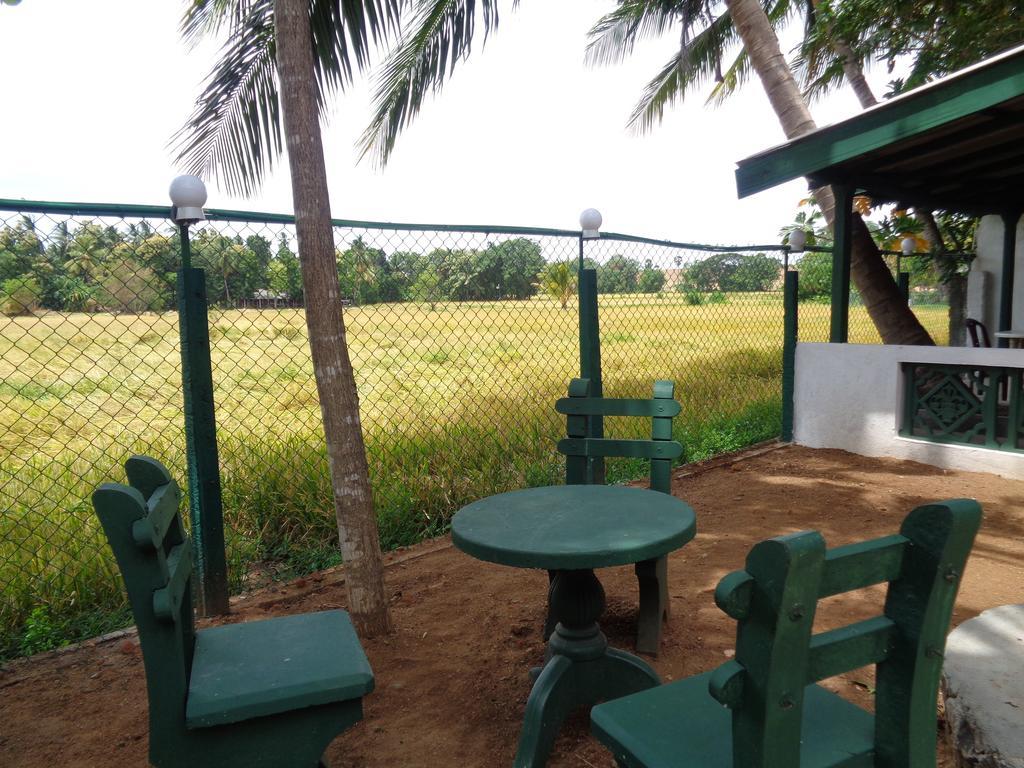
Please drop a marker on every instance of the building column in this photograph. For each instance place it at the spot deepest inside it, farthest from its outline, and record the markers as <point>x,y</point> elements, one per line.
<point>1006,279</point>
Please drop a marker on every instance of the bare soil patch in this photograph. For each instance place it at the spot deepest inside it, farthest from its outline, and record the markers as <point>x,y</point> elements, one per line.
<point>452,679</point>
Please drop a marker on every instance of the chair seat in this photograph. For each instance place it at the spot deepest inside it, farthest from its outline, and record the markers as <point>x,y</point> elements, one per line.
<point>681,725</point>
<point>259,668</point>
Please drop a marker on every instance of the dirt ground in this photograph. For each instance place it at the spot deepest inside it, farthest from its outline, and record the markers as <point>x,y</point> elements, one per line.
<point>452,679</point>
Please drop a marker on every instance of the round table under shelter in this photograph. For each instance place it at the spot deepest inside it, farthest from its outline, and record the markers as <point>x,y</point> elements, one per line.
<point>570,530</point>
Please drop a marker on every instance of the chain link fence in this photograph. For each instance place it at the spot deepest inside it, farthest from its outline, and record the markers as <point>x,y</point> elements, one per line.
<point>461,340</point>
<point>928,297</point>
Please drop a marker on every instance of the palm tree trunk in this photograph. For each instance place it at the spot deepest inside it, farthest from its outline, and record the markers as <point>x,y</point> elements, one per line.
<point>852,69</point>
<point>895,322</point>
<point>336,386</point>
<point>855,75</point>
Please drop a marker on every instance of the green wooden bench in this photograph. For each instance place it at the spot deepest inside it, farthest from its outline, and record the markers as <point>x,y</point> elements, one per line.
<point>774,715</point>
<point>262,693</point>
<point>583,456</point>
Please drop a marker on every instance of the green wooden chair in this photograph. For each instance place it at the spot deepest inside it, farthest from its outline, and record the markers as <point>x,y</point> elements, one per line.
<point>774,716</point>
<point>262,693</point>
<point>581,450</point>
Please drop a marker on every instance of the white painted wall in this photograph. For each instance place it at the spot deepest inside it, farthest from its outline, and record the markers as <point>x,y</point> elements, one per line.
<point>849,396</point>
<point>982,293</point>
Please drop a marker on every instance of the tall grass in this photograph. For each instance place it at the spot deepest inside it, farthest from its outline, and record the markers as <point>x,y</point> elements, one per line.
<point>456,404</point>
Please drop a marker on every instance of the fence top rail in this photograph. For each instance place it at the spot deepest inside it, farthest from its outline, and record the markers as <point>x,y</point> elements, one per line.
<point>219,214</point>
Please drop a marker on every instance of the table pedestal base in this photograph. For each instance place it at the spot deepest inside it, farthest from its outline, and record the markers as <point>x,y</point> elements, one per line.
<point>581,669</point>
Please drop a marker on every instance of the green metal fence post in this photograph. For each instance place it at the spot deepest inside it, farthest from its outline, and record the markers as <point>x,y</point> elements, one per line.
<point>842,246</point>
<point>903,283</point>
<point>789,339</point>
<point>590,358</point>
<point>205,510</point>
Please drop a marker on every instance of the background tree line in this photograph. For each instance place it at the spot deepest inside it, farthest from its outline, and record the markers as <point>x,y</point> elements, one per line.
<point>726,272</point>
<point>93,267</point>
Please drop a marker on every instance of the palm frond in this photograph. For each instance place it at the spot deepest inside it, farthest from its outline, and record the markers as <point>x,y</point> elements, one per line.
<point>615,34</point>
<point>697,61</point>
<point>733,78</point>
<point>234,133</point>
<point>441,35</point>
<point>829,77</point>
<point>206,18</point>
<point>819,64</point>
<point>736,75</point>
<point>781,12</point>
<point>663,90</point>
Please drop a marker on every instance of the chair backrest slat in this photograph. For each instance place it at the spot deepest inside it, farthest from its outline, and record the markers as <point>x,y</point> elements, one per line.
<point>774,600</point>
<point>633,449</point>
<point>860,565</point>
<point>606,406</point>
<point>849,647</point>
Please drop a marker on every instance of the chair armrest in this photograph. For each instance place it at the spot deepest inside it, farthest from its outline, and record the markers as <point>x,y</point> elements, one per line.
<point>726,684</point>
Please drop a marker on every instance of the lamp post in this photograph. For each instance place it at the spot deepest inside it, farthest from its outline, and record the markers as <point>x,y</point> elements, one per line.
<point>590,335</point>
<point>908,245</point>
<point>797,243</point>
<point>590,226</point>
<point>188,195</point>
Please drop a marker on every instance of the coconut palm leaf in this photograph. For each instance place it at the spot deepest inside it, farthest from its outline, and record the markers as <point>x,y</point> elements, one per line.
<point>818,65</point>
<point>206,18</point>
<point>440,35</point>
<point>736,75</point>
<point>696,63</point>
<point>234,134</point>
<point>615,34</point>
<point>700,56</point>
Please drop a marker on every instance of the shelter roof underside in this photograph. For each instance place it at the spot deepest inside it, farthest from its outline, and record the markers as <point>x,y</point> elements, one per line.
<point>955,144</point>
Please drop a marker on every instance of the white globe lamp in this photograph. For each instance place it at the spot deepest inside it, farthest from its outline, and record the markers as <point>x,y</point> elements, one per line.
<point>188,196</point>
<point>908,245</point>
<point>797,241</point>
<point>590,223</point>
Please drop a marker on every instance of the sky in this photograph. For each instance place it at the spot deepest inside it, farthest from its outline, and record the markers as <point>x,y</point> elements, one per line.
<point>524,134</point>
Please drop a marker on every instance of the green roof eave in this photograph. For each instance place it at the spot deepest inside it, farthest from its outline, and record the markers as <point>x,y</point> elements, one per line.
<point>972,90</point>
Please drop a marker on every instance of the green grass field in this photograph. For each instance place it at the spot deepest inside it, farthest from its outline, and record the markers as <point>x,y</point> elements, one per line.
<point>456,404</point>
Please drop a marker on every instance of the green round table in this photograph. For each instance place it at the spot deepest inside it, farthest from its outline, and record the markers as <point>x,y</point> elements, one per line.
<point>570,530</point>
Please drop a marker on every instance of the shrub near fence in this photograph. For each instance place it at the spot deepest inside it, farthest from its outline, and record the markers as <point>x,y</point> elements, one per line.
<point>461,339</point>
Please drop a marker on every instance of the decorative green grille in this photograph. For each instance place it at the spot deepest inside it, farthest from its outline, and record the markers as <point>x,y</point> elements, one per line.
<point>966,404</point>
